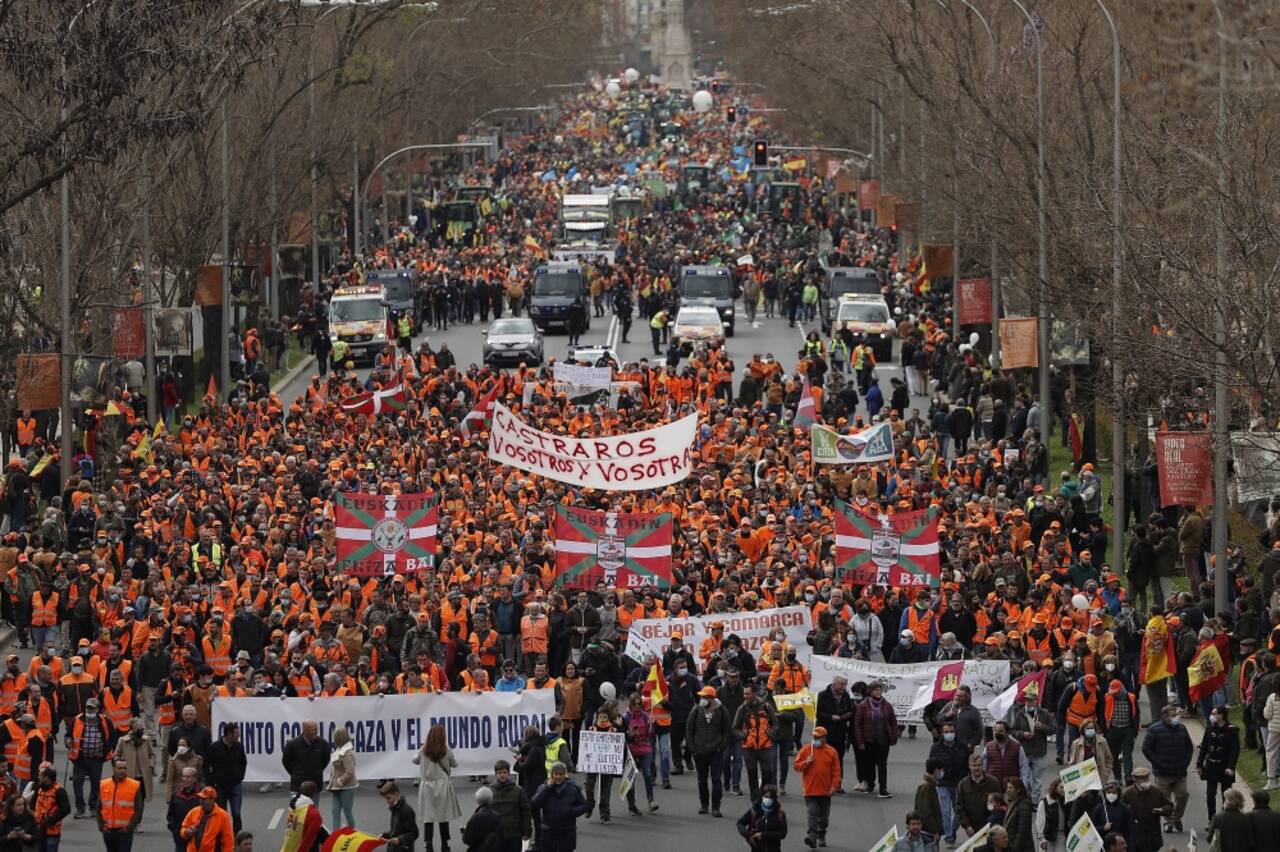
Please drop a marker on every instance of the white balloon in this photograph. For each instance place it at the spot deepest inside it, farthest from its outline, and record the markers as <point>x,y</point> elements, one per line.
<point>608,691</point>
<point>1080,602</point>
<point>632,75</point>
<point>559,139</point>
<point>702,100</point>
<point>974,338</point>
<point>613,89</point>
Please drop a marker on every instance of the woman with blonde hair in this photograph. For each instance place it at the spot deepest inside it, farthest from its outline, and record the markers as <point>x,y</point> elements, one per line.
<point>343,783</point>
<point>437,801</point>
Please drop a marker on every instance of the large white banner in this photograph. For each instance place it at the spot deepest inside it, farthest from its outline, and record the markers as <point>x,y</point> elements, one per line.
<point>387,731</point>
<point>582,376</point>
<point>654,634</point>
<point>985,678</point>
<point>650,459</point>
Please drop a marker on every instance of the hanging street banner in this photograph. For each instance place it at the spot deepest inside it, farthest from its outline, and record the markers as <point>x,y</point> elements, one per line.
<point>639,461</point>
<point>753,628</point>
<point>1184,461</point>
<point>626,550</point>
<point>387,731</point>
<point>898,550</point>
<point>383,534</point>
<point>868,445</point>
<point>985,679</point>
<point>973,301</point>
<point>129,333</point>
<point>1019,342</point>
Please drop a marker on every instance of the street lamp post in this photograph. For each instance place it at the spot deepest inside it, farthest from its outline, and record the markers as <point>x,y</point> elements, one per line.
<point>1220,412</point>
<point>1117,257</point>
<point>226,252</point>
<point>1042,311</point>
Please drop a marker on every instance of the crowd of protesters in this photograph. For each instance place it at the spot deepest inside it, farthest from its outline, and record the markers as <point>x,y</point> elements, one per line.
<point>198,561</point>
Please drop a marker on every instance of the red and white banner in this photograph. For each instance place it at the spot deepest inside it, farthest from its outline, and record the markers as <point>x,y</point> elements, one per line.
<point>478,418</point>
<point>653,458</point>
<point>129,333</point>
<point>753,628</point>
<point>383,534</point>
<point>376,402</point>
<point>627,550</point>
<point>1185,463</point>
<point>973,301</point>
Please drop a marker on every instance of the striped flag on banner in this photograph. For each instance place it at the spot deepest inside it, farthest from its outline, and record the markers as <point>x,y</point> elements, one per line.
<point>384,534</point>
<point>897,550</point>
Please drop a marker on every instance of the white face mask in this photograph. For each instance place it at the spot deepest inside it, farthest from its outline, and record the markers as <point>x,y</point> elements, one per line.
<point>705,702</point>
<point>183,749</point>
<point>1112,797</point>
<point>1111,667</point>
<point>1068,665</point>
<point>1144,785</point>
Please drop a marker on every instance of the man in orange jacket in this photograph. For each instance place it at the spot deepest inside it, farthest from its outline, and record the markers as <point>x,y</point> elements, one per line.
<point>819,766</point>
<point>208,827</point>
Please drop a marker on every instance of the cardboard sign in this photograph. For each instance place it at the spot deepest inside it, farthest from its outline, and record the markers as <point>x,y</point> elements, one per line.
<point>602,752</point>
<point>1019,342</point>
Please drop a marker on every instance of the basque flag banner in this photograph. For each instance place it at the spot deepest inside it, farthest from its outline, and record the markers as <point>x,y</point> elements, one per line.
<point>383,534</point>
<point>627,550</point>
<point>376,402</point>
<point>898,550</point>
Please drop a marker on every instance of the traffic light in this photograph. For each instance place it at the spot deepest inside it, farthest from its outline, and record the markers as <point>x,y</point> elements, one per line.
<point>731,115</point>
<point>760,150</point>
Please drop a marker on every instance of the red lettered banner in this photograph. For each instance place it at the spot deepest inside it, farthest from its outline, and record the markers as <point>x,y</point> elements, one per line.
<point>973,301</point>
<point>383,534</point>
<point>1185,463</point>
<point>626,550</point>
<point>868,194</point>
<point>128,333</point>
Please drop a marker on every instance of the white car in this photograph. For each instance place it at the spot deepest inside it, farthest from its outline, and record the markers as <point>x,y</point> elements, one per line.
<point>593,356</point>
<point>697,324</point>
<point>513,340</point>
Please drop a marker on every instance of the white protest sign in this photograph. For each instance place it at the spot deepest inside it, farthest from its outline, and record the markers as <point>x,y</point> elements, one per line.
<point>1084,837</point>
<point>634,462</point>
<point>601,752</point>
<point>582,375</point>
<point>888,841</point>
<point>654,634</point>
<point>902,683</point>
<point>629,773</point>
<point>387,731</point>
<point>975,841</point>
<point>1079,777</point>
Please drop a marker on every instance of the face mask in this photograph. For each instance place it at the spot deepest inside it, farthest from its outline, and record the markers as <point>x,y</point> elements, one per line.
<point>1089,732</point>
<point>183,749</point>
<point>1068,665</point>
<point>1144,785</point>
<point>949,737</point>
<point>1175,719</point>
<point>705,702</point>
<point>681,672</point>
<point>77,669</point>
<point>809,596</point>
<point>991,806</point>
<point>1111,667</point>
<point>1032,708</point>
<point>849,639</point>
<point>766,803</point>
<point>904,642</point>
<point>91,714</point>
<point>1112,797</point>
<point>818,741</point>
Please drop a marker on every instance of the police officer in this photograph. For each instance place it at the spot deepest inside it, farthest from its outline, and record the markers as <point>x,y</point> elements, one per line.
<point>657,329</point>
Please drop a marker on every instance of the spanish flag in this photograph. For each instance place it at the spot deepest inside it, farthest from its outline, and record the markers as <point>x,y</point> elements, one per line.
<point>1157,661</point>
<point>531,243</point>
<point>305,827</point>
<point>654,688</point>
<point>143,450</point>
<point>1207,673</point>
<point>113,410</point>
<point>347,839</point>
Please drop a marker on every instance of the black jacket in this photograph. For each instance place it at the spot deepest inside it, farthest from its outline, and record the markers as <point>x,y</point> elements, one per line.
<point>404,824</point>
<point>484,831</point>
<point>531,764</point>
<point>225,765</point>
<point>1168,749</point>
<point>1219,751</point>
<point>305,761</point>
<point>1233,831</point>
<point>559,807</point>
<point>198,735</point>
<point>180,804</point>
<point>835,713</point>
<point>771,827</point>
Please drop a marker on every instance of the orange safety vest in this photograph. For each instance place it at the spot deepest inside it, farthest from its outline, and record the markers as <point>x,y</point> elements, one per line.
<point>756,734</point>
<point>10,686</point>
<point>1039,651</point>
<point>166,714</point>
<point>44,613</point>
<point>302,683</point>
<point>22,765</point>
<point>46,807</point>
<point>1109,706</point>
<point>920,625</point>
<point>118,709</point>
<point>26,431</point>
<point>17,737</point>
<point>533,635</point>
<point>218,657</point>
<point>118,799</point>
<point>77,733</point>
<point>1082,708</point>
